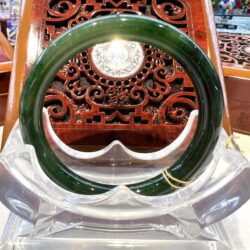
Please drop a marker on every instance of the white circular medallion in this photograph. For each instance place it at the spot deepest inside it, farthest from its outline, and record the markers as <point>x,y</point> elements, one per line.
<point>118,59</point>
<point>247,50</point>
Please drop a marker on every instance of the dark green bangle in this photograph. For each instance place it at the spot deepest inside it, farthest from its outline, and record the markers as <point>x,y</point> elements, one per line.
<point>135,28</point>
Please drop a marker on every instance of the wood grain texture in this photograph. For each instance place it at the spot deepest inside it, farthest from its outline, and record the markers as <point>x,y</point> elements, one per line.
<point>25,38</point>
<point>239,103</point>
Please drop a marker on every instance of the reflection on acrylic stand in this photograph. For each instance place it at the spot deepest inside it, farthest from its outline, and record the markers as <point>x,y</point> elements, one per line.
<point>52,217</point>
<point>120,217</point>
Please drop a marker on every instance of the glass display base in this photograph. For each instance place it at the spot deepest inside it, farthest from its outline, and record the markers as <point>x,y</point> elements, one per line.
<point>110,244</point>
<point>44,216</point>
<point>155,234</point>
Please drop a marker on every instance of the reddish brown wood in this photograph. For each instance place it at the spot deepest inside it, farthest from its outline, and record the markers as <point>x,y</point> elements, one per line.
<point>3,25</point>
<point>5,68</point>
<point>3,56</point>
<point>238,90</point>
<point>235,56</point>
<point>155,99</point>
<point>59,16</point>
<point>4,87</point>
<point>166,93</point>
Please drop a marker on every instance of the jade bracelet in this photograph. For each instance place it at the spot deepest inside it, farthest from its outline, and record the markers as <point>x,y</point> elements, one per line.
<point>132,28</point>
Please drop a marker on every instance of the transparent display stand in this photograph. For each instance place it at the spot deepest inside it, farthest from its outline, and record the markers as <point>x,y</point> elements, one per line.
<point>45,216</point>
<point>116,198</point>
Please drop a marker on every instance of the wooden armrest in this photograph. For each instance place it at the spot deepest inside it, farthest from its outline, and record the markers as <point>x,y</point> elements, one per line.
<point>5,67</point>
<point>6,54</point>
<point>7,48</point>
<point>6,57</point>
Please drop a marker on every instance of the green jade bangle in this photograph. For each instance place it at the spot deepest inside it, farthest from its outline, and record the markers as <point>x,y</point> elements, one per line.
<point>134,28</point>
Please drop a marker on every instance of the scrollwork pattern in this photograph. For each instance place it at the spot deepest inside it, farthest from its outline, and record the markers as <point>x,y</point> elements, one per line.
<point>160,93</point>
<point>235,50</point>
<point>64,14</point>
<point>62,10</point>
<point>171,11</point>
<point>60,107</point>
<point>152,93</point>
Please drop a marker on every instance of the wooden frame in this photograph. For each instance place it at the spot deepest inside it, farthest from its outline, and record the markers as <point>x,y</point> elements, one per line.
<point>6,57</point>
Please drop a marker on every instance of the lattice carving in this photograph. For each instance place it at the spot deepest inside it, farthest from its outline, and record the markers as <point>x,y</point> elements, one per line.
<point>160,93</point>
<point>235,50</point>
<point>64,14</point>
<point>158,96</point>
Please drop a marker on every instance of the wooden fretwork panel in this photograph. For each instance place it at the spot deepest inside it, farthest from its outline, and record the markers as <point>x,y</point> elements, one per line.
<point>235,50</point>
<point>148,109</point>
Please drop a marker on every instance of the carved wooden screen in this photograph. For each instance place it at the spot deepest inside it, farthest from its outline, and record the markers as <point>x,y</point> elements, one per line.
<point>148,109</point>
<point>235,57</point>
<point>235,50</point>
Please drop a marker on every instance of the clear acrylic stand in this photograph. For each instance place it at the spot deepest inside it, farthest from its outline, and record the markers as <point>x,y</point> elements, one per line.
<point>45,216</point>
<point>158,233</point>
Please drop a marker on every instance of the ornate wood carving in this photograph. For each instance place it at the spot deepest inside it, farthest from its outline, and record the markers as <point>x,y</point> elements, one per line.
<point>160,93</point>
<point>235,50</point>
<point>235,55</point>
<point>62,15</point>
<point>153,104</point>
